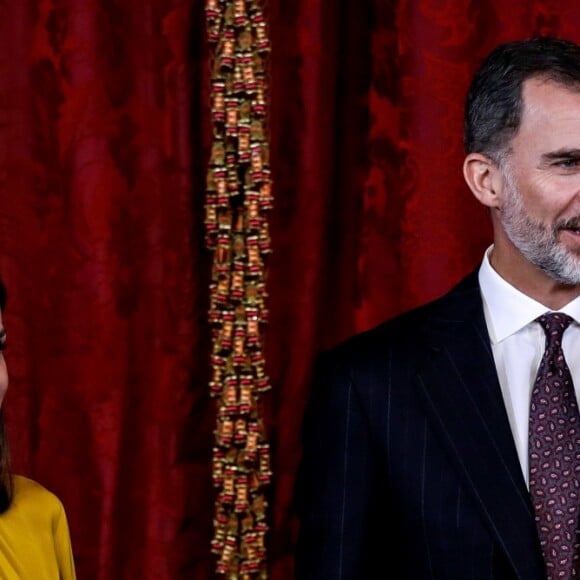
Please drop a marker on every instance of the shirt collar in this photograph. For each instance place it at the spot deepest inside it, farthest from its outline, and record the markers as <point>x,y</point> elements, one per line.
<point>509,310</point>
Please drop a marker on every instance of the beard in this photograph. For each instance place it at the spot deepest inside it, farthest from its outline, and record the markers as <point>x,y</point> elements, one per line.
<point>536,241</point>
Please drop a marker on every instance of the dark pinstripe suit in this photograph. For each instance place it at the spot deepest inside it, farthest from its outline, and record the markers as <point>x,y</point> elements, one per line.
<point>409,465</point>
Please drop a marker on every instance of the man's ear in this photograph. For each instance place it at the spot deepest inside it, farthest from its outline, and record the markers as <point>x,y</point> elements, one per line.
<point>484,178</point>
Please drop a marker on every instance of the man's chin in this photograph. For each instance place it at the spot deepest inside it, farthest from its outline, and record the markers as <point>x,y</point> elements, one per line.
<point>567,274</point>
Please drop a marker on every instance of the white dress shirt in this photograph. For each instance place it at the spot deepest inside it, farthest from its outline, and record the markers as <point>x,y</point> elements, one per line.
<point>518,343</point>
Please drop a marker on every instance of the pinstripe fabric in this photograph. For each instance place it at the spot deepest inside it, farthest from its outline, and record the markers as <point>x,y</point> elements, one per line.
<point>408,461</point>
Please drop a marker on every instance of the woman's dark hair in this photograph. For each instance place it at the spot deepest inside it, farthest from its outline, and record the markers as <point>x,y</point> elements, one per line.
<point>3,296</point>
<point>494,104</point>
<point>6,484</point>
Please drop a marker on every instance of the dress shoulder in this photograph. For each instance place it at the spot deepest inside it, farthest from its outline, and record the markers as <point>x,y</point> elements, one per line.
<point>34,535</point>
<point>28,492</point>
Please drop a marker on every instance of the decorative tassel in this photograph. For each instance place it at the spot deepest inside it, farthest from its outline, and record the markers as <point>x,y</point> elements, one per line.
<point>238,197</point>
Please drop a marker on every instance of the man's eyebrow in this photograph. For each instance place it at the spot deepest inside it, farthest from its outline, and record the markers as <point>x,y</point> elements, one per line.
<point>561,154</point>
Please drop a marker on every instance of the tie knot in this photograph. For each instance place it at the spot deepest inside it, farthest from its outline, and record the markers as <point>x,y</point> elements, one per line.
<point>554,325</point>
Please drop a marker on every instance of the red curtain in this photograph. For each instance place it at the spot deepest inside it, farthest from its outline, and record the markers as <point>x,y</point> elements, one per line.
<point>101,250</point>
<point>104,140</point>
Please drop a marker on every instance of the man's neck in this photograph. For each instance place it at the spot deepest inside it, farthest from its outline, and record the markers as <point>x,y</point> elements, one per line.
<point>532,281</point>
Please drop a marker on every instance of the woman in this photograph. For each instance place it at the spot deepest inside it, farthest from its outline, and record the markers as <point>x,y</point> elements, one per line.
<point>34,536</point>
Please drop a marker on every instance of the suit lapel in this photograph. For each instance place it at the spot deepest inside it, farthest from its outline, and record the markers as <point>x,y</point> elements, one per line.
<point>461,393</point>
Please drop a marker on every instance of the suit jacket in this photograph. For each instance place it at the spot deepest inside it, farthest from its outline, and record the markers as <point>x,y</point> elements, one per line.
<point>409,467</point>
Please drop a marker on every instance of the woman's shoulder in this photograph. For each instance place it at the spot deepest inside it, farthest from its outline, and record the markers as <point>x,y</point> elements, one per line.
<point>36,532</point>
<point>28,492</point>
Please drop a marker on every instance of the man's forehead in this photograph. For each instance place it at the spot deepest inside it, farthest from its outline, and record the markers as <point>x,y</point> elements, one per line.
<point>545,95</point>
<point>544,83</point>
<point>550,118</point>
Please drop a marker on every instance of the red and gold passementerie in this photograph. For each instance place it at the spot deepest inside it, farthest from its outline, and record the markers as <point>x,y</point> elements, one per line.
<point>237,202</point>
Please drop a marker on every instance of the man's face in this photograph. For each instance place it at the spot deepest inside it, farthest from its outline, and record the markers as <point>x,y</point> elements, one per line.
<point>540,209</point>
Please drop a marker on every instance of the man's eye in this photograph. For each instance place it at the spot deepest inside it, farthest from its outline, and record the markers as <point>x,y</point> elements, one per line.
<point>3,345</point>
<point>568,163</point>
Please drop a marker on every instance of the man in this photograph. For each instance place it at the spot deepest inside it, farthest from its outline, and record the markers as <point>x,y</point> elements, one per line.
<point>445,443</point>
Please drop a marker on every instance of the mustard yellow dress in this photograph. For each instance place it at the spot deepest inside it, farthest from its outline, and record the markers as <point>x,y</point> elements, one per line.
<point>34,536</point>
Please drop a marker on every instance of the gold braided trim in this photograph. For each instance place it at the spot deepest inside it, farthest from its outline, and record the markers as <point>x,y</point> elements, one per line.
<point>238,197</point>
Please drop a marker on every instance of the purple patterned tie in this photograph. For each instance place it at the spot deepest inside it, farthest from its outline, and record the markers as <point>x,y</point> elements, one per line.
<point>554,453</point>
